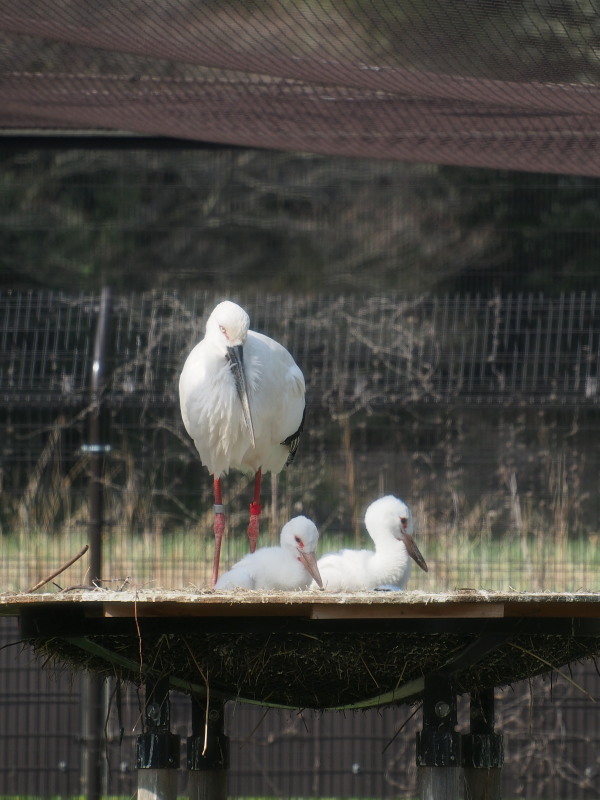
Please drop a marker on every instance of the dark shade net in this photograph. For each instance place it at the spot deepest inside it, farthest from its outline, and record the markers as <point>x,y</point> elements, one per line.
<point>510,85</point>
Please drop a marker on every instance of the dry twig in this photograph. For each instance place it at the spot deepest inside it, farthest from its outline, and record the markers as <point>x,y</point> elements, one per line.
<point>56,572</point>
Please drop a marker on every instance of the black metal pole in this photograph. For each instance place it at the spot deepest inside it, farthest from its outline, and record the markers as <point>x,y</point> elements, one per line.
<point>92,696</point>
<point>92,724</point>
<point>98,445</point>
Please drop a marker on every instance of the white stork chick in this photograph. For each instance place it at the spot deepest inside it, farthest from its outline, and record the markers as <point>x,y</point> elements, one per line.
<point>389,523</point>
<point>242,402</point>
<point>292,566</point>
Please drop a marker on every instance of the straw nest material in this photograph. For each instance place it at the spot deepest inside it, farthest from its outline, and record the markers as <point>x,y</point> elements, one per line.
<point>331,670</point>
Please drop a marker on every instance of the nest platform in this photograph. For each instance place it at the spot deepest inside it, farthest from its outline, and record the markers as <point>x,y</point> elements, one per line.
<point>310,649</point>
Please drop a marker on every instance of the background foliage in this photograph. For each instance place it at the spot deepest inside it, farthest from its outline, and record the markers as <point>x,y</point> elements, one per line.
<point>232,219</point>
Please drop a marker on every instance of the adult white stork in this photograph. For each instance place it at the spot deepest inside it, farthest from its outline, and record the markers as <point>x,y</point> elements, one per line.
<point>389,523</point>
<point>292,566</point>
<point>242,402</point>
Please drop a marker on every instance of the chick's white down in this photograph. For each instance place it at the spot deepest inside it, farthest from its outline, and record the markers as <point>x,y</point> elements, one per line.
<point>389,523</point>
<point>291,566</point>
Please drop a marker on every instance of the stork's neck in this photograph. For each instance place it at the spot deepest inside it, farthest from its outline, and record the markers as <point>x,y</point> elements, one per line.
<point>390,562</point>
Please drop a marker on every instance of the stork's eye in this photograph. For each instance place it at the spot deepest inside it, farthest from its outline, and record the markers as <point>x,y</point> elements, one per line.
<point>222,329</point>
<point>404,521</point>
<point>299,541</point>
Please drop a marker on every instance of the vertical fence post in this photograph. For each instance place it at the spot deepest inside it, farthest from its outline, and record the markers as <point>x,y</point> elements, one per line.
<point>92,692</point>
<point>92,724</point>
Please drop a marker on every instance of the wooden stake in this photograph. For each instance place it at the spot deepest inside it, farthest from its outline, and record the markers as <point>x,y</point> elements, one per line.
<point>157,784</point>
<point>439,783</point>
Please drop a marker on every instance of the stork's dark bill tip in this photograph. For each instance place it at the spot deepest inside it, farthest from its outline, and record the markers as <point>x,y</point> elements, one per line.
<point>414,552</point>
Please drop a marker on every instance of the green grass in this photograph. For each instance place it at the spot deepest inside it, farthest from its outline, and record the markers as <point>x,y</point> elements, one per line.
<point>183,560</point>
<point>524,563</point>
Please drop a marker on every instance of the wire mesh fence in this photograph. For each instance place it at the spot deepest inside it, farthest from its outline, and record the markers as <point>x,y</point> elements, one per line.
<point>482,414</point>
<point>357,351</point>
<point>551,731</point>
<point>480,411</point>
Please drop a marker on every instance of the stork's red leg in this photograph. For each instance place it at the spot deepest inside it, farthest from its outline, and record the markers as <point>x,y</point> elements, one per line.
<point>255,509</point>
<point>219,528</point>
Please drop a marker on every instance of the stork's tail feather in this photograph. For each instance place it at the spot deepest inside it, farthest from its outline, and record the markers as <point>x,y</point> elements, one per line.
<point>293,441</point>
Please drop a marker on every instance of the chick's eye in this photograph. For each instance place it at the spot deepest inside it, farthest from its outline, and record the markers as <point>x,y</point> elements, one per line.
<point>404,521</point>
<point>299,541</point>
<point>222,329</point>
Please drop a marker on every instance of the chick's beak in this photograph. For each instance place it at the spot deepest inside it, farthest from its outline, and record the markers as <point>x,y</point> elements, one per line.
<point>413,551</point>
<point>310,562</point>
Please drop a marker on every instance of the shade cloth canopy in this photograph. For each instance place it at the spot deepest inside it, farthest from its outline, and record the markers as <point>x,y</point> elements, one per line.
<point>512,85</point>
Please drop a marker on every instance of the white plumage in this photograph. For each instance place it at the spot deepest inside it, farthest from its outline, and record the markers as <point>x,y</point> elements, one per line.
<point>242,401</point>
<point>389,523</point>
<point>292,566</point>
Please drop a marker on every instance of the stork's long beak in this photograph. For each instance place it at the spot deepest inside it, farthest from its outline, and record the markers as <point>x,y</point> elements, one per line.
<point>236,359</point>
<point>413,551</point>
<point>310,562</point>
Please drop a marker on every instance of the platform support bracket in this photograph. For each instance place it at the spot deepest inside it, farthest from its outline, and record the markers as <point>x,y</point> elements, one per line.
<point>482,749</point>
<point>208,751</point>
<point>157,749</point>
<point>438,743</point>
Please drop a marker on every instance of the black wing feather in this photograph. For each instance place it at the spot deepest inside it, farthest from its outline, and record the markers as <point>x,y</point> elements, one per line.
<point>293,440</point>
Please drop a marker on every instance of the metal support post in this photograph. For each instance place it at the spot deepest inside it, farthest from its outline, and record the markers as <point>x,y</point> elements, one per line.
<point>93,707</point>
<point>482,750</point>
<point>98,445</point>
<point>93,712</point>
<point>438,744</point>
<point>208,752</point>
<point>157,749</point>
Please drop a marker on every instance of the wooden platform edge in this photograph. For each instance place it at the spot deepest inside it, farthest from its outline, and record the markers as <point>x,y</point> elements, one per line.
<point>311,604</point>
